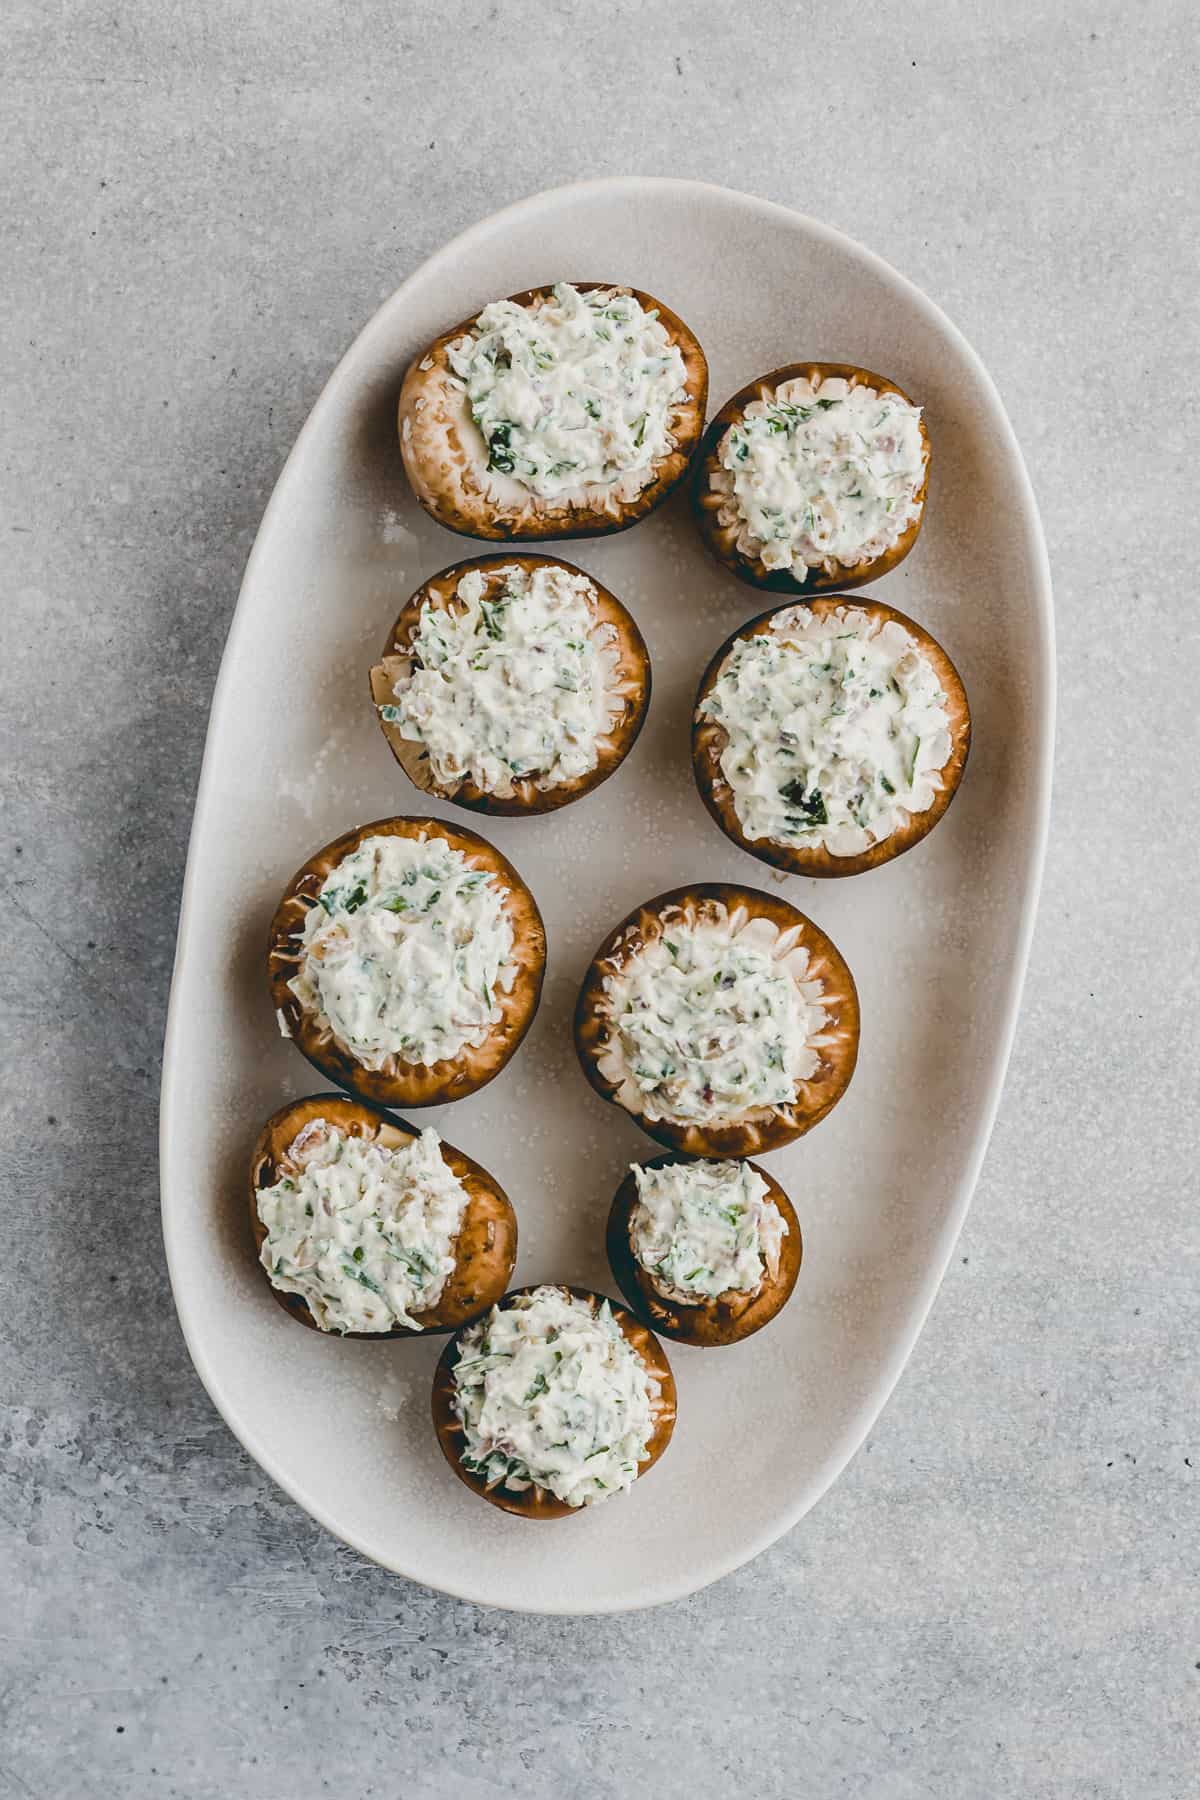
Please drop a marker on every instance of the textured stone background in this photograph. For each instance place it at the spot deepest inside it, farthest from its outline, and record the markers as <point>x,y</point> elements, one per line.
<point>202,205</point>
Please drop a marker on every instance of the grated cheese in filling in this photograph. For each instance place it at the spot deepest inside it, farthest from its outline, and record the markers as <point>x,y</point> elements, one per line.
<point>821,475</point>
<point>705,1228</point>
<point>573,391</point>
<point>837,729</point>
<point>708,1023</point>
<point>364,1234</point>
<point>551,1394</point>
<point>515,683</point>
<point>406,951</point>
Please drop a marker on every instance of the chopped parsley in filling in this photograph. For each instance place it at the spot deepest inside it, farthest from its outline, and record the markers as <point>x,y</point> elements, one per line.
<point>816,476</point>
<point>513,683</point>
<point>705,1228</point>
<point>837,729</point>
<point>707,1025</point>
<point>364,1234</point>
<point>551,1394</point>
<point>406,952</point>
<point>573,391</point>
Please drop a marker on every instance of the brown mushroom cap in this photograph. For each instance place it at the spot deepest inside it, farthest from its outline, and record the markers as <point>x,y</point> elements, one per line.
<point>631,682</point>
<point>722,539</point>
<point>536,1502</point>
<point>710,738</point>
<point>766,1128</point>
<point>402,1083</point>
<point>727,1317</point>
<point>485,1248</point>
<point>447,469</point>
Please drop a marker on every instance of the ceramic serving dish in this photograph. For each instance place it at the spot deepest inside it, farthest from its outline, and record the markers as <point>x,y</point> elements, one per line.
<point>937,941</point>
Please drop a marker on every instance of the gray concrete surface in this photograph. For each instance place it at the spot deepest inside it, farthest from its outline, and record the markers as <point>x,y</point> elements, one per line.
<point>202,204</point>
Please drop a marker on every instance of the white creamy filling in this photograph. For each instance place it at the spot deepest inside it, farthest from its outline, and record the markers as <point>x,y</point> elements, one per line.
<point>515,683</point>
<point>705,1228</point>
<point>406,951</point>
<point>837,729</point>
<point>573,391</point>
<point>708,1023</point>
<point>552,1395</point>
<point>825,474</point>
<point>364,1234</point>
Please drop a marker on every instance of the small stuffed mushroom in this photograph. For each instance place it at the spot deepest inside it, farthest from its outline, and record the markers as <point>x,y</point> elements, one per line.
<point>830,737</point>
<point>558,1399</point>
<point>406,961</point>
<point>563,411</point>
<point>512,684</point>
<point>369,1229</point>
<point>707,1252</point>
<point>721,1018</point>
<point>813,477</point>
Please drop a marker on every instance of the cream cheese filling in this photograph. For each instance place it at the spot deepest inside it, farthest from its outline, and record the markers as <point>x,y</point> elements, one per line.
<point>406,952</point>
<point>836,729</point>
<point>572,391</point>
<point>552,1395</point>
<point>710,1021</point>
<point>513,682</point>
<point>821,476</point>
<point>363,1233</point>
<point>704,1229</point>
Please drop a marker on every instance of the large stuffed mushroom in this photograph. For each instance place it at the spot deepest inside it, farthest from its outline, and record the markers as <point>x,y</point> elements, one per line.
<point>813,477</point>
<point>507,1411</point>
<point>406,961</point>
<point>720,1018</point>
<point>830,736</point>
<point>512,684</point>
<point>367,1228</point>
<point>562,411</point>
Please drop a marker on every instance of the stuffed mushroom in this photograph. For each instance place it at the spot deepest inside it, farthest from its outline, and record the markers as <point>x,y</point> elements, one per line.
<point>707,1252</point>
<point>563,411</point>
<point>367,1228</point>
<point>721,1018</point>
<point>830,736</point>
<point>557,1400</point>
<point>813,477</point>
<point>512,684</point>
<point>406,961</point>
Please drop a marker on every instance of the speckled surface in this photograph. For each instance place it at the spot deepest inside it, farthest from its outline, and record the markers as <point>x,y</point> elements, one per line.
<point>998,1596</point>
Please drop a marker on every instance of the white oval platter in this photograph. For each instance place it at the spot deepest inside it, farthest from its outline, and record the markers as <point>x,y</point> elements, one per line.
<point>937,941</point>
